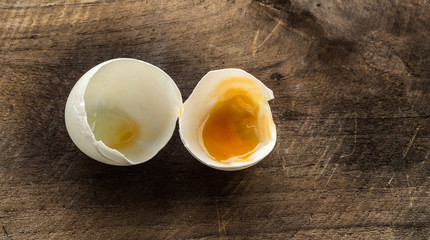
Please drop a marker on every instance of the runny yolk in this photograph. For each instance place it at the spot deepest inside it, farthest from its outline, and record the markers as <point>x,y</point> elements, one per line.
<point>232,127</point>
<point>116,130</point>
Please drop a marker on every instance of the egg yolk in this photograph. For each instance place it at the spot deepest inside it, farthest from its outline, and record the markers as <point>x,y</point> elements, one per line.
<point>232,128</point>
<point>116,130</point>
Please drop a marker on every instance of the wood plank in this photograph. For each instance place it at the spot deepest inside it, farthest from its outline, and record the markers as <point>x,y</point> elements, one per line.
<point>352,87</point>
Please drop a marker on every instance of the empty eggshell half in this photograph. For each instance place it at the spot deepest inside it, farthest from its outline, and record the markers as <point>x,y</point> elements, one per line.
<point>123,111</point>
<point>227,122</point>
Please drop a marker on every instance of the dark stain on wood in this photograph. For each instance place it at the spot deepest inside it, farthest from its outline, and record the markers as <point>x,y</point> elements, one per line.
<point>276,76</point>
<point>333,52</point>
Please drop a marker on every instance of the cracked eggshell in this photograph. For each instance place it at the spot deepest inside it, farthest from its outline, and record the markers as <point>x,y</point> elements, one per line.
<point>142,91</point>
<point>198,106</point>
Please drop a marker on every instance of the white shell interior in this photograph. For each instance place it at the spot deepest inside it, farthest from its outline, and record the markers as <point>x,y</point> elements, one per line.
<point>135,88</point>
<point>197,108</point>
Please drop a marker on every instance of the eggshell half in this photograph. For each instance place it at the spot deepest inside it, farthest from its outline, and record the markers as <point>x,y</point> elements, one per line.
<point>137,88</point>
<point>197,108</point>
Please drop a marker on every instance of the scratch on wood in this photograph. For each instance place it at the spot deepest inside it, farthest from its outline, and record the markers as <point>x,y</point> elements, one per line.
<point>355,140</point>
<point>221,224</point>
<point>304,124</point>
<point>43,222</point>
<point>293,107</point>
<point>310,140</point>
<point>407,180</point>
<point>391,179</point>
<point>300,33</point>
<point>425,159</point>
<point>254,43</point>
<point>5,232</point>
<point>331,175</point>
<point>290,147</point>
<point>325,166</point>
<point>331,156</point>
<point>323,154</point>
<point>255,48</point>
<point>268,6</point>
<point>339,130</point>
<point>218,216</point>
<point>270,34</point>
<point>320,158</point>
<point>411,200</point>
<point>284,162</point>
<point>411,142</point>
<point>368,215</point>
<point>236,188</point>
<point>339,144</point>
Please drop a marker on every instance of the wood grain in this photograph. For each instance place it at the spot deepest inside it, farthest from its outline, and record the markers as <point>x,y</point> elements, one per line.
<point>352,87</point>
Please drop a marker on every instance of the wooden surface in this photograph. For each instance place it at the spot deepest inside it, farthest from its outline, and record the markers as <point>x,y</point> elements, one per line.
<point>352,87</point>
